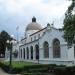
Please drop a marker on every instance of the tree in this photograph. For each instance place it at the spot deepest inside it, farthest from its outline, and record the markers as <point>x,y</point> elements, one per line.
<point>69,24</point>
<point>4,36</point>
<point>70,8</point>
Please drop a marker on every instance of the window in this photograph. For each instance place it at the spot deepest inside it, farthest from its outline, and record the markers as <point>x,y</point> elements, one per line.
<point>46,49</point>
<point>31,48</point>
<point>56,48</point>
<point>34,37</point>
<point>25,41</point>
<point>21,53</point>
<point>31,38</point>
<point>27,53</point>
<point>38,36</point>
<point>37,51</point>
<point>24,52</point>
<point>74,51</point>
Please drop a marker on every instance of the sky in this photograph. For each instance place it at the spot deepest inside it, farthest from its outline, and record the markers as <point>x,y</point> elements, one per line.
<point>15,13</point>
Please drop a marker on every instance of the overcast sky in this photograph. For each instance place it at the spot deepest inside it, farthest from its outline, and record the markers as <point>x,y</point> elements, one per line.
<point>20,12</point>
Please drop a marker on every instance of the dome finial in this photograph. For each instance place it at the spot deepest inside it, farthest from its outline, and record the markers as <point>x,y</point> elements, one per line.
<point>33,19</point>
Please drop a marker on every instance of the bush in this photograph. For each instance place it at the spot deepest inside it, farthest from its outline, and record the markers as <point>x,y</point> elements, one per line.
<point>39,69</point>
<point>29,68</point>
<point>60,70</point>
<point>6,68</point>
<point>38,73</point>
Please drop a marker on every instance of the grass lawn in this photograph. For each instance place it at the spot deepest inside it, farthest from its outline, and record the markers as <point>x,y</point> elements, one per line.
<point>19,64</point>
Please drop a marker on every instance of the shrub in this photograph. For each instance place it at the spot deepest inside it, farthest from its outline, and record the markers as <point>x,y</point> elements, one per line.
<point>60,70</point>
<point>39,69</point>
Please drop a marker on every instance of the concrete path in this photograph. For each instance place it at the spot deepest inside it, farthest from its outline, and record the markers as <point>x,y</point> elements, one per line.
<point>3,73</point>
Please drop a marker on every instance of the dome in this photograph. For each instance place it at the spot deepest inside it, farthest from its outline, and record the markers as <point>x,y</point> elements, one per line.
<point>33,25</point>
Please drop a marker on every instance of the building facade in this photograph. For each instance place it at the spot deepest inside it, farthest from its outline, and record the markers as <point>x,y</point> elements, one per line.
<point>44,45</point>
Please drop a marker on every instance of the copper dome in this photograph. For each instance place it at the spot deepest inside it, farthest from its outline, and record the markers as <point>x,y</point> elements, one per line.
<point>33,25</point>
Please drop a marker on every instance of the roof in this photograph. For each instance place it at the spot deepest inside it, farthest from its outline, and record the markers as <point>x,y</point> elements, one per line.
<point>38,31</point>
<point>33,25</point>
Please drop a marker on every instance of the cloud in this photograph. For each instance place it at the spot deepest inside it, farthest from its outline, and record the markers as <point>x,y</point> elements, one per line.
<point>20,12</point>
<point>16,6</point>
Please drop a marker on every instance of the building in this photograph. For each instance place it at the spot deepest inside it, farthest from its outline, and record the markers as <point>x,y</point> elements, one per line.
<point>44,45</point>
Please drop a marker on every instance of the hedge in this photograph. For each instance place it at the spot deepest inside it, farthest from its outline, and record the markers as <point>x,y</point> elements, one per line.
<point>40,68</point>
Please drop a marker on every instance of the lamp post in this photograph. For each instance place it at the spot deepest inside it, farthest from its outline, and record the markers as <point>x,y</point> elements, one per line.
<point>74,39</point>
<point>10,59</point>
<point>74,45</point>
<point>74,42</point>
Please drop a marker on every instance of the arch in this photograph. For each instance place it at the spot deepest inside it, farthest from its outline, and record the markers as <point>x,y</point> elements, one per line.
<point>21,53</point>
<point>15,53</point>
<point>46,49</point>
<point>37,51</point>
<point>74,51</point>
<point>56,48</point>
<point>31,48</point>
<point>24,52</point>
<point>27,53</point>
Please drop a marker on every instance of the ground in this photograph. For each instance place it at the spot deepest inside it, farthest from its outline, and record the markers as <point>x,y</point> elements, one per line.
<point>19,64</point>
<point>3,73</point>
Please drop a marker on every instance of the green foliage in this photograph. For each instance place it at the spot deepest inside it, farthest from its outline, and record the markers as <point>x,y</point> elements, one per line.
<point>69,28</point>
<point>40,69</point>
<point>69,24</point>
<point>19,64</point>
<point>4,36</point>
<point>70,8</point>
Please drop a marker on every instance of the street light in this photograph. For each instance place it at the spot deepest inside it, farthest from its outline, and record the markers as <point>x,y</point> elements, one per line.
<point>74,38</point>
<point>11,43</point>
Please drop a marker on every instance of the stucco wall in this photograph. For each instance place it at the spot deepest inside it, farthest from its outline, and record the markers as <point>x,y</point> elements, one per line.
<point>49,36</point>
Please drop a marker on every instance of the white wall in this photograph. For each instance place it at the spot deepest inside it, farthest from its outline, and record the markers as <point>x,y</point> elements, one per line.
<point>49,36</point>
<point>71,53</point>
<point>66,54</point>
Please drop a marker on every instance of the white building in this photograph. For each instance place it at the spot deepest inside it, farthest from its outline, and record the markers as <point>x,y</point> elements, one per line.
<point>44,45</point>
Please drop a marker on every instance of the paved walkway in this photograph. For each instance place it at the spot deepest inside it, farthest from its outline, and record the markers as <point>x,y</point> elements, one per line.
<point>3,73</point>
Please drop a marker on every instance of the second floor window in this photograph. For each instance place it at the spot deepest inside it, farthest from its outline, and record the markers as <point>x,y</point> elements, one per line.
<point>34,37</point>
<point>38,36</point>
<point>31,38</point>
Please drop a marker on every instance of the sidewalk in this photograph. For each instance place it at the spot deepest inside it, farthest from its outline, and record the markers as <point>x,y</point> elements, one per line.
<point>3,73</point>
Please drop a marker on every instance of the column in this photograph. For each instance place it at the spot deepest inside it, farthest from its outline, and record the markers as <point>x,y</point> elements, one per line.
<point>22,54</point>
<point>25,53</point>
<point>41,53</point>
<point>50,52</point>
<point>19,54</point>
<point>34,52</point>
<point>29,54</point>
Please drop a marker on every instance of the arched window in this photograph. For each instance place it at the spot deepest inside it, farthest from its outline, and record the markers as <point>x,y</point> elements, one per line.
<point>74,51</point>
<point>21,53</point>
<point>31,48</point>
<point>37,51</point>
<point>56,48</point>
<point>24,52</point>
<point>27,53</point>
<point>15,53</point>
<point>46,49</point>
